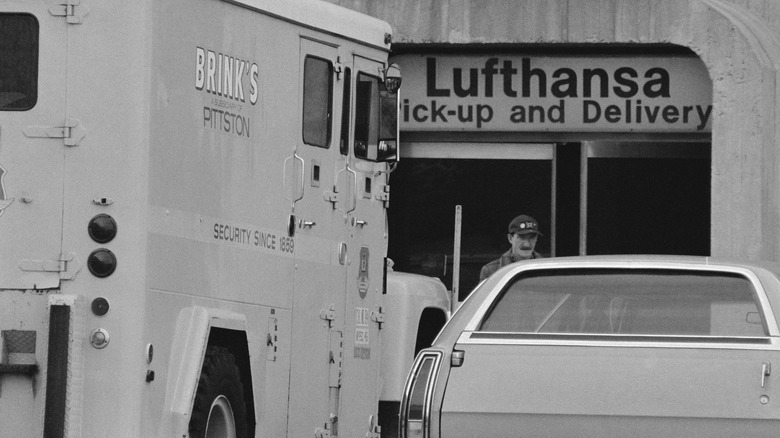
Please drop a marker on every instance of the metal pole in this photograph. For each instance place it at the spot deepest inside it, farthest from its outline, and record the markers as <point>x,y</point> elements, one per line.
<point>584,198</point>
<point>456,259</point>
<point>554,202</point>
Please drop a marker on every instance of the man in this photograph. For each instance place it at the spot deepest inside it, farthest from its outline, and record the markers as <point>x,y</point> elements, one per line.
<point>523,233</point>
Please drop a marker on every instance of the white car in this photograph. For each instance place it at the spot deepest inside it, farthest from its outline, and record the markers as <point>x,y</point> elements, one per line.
<point>605,346</point>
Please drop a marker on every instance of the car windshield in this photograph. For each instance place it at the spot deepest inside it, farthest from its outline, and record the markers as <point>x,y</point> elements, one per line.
<point>628,302</point>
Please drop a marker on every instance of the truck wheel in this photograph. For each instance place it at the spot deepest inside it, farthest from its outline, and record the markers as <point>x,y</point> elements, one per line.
<point>219,410</point>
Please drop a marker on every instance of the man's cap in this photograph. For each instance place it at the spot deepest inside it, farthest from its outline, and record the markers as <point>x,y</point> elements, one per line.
<point>524,224</point>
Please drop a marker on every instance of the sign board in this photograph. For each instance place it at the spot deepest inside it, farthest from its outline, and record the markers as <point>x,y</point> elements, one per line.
<point>511,93</point>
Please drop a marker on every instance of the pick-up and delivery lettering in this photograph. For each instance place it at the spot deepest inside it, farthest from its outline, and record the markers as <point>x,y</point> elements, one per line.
<point>558,94</point>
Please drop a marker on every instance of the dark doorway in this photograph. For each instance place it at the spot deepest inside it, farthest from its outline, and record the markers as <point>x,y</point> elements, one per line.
<point>656,203</point>
<point>424,194</point>
<point>609,198</point>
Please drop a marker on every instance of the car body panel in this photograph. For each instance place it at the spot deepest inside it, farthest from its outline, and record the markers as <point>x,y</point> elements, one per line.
<point>517,382</point>
<point>510,384</point>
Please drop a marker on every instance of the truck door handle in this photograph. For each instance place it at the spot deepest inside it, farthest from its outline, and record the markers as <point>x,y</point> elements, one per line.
<point>353,189</point>
<point>766,371</point>
<point>299,188</point>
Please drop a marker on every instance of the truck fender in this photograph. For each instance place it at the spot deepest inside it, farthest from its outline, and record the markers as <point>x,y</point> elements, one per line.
<point>188,348</point>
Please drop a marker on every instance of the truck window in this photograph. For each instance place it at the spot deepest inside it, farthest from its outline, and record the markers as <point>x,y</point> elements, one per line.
<point>18,62</point>
<point>629,302</point>
<point>366,116</point>
<point>388,120</point>
<point>344,141</point>
<point>317,98</point>
<point>431,321</point>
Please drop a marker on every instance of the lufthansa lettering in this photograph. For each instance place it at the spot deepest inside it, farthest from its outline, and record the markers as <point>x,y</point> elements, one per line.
<point>624,82</point>
<point>556,93</point>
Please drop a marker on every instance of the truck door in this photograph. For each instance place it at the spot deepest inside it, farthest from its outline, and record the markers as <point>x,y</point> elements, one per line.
<point>319,233</point>
<point>367,247</point>
<point>32,147</point>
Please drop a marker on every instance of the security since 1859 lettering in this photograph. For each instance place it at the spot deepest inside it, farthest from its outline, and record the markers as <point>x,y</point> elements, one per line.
<point>253,238</point>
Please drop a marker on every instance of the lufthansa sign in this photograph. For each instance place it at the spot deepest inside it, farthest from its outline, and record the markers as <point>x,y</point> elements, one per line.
<point>555,94</point>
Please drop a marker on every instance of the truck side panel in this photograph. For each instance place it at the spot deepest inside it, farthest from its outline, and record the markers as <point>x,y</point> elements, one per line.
<point>183,121</point>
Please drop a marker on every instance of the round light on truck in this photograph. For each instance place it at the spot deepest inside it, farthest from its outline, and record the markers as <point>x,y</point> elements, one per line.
<point>102,228</point>
<point>101,263</point>
<point>99,338</point>
<point>100,306</point>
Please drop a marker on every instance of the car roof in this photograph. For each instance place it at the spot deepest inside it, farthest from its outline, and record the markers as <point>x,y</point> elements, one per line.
<point>765,271</point>
<point>650,260</point>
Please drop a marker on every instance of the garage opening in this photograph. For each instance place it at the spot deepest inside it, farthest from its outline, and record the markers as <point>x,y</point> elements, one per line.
<point>607,146</point>
<point>592,197</point>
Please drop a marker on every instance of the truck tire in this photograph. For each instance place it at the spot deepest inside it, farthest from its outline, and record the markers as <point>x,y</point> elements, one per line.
<point>219,410</point>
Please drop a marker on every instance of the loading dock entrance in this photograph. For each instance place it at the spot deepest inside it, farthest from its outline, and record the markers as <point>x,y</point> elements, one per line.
<point>647,198</point>
<point>608,148</point>
<point>623,198</point>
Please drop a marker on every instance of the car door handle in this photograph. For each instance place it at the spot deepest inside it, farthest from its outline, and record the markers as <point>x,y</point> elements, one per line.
<point>766,371</point>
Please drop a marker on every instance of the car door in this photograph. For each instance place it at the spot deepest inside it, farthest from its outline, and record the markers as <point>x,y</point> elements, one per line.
<point>520,387</point>
<point>680,363</point>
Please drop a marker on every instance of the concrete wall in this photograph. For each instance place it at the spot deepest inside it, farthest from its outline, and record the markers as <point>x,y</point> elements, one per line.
<point>738,40</point>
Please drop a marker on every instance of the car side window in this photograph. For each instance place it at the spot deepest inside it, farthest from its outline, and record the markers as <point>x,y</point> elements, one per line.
<point>628,302</point>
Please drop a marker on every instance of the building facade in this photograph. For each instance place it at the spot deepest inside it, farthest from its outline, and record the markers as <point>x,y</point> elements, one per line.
<point>712,181</point>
